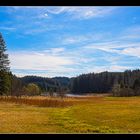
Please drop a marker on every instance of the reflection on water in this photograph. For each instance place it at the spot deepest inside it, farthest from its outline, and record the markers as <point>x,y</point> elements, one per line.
<point>74,95</point>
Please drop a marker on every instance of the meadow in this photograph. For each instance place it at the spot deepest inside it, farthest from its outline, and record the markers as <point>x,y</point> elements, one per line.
<point>95,114</point>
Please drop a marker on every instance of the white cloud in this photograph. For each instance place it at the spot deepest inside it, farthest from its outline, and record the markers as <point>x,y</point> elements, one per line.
<point>46,15</point>
<point>61,62</point>
<point>125,48</point>
<point>111,68</point>
<point>90,12</point>
<point>55,51</point>
<point>38,27</point>
<point>132,51</point>
<point>51,62</point>
<point>74,39</point>
<point>27,12</point>
<point>118,68</point>
<point>82,12</point>
<point>68,72</point>
<point>38,62</point>
<point>56,10</point>
<point>132,32</point>
<point>34,18</point>
<point>7,28</point>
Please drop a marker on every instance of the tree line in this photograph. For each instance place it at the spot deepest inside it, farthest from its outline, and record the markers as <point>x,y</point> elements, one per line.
<point>125,83</point>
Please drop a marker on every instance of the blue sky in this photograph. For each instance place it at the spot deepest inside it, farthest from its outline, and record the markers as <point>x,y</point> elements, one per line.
<point>68,41</point>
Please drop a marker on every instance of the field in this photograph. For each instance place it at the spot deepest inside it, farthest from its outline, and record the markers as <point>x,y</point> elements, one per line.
<point>94,114</point>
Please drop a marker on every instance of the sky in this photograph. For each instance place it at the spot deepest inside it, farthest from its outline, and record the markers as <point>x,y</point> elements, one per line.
<point>69,41</point>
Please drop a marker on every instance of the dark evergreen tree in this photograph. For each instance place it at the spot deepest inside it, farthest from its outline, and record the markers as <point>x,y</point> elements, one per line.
<point>5,78</point>
<point>17,86</point>
<point>136,86</point>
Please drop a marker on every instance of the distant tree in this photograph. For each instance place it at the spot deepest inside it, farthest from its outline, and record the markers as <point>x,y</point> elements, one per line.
<point>17,85</point>
<point>51,92</point>
<point>31,89</point>
<point>136,86</point>
<point>126,92</point>
<point>61,91</point>
<point>116,89</point>
<point>122,90</point>
<point>5,78</point>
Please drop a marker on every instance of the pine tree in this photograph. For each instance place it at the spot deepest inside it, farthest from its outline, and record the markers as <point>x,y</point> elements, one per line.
<point>5,81</point>
<point>136,86</point>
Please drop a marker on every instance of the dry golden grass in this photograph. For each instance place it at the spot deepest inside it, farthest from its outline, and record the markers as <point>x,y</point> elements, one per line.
<point>85,115</point>
<point>39,101</point>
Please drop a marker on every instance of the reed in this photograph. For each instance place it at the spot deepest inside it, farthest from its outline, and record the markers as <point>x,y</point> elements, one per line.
<point>42,102</point>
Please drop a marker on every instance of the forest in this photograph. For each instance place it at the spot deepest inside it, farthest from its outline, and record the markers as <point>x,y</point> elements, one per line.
<point>107,82</point>
<point>125,83</point>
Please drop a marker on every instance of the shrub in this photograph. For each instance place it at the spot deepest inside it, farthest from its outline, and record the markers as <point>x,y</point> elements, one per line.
<point>124,91</point>
<point>31,89</point>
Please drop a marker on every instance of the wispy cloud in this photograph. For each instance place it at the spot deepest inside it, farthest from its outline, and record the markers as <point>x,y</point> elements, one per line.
<point>59,61</point>
<point>73,39</point>
<point>28,20</point>
<point>55,51</point>
<point>7,28</point>
<point>67,41</point>
<point>132,51</point>
<point>82,12</point>
<point>51,62</point>
<point>131,33</point>
<point>36,20</point>
<point>42,61</point>
<point>36,60</point>
<point>125,48</point>
<point>110,68</point>
<point>30,12</point>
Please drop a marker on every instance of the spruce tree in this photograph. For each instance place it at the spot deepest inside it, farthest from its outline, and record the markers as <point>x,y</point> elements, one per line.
<point>5,80</point>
